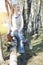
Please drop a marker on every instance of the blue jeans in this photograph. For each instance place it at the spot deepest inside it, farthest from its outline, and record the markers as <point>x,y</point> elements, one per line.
<point>20,38</point>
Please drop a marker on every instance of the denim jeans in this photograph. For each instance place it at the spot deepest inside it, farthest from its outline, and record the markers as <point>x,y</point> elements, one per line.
<point>20,38</point>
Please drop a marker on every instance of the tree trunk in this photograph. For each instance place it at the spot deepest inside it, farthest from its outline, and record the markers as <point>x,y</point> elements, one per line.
<point>35,9</point>
<point>32,15</point>
<point>25,16</point>
<point>13,57</point>
<point>26,10</point>
<point>1,50</point>
<point>38,23</point>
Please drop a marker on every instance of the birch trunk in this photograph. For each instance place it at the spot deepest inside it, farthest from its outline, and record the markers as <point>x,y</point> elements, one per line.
<point>13,57</point>
<point>26,10</point>
<point>35,9</point>
<point>25,15</point>
<point>1,50</point>
<point>38,16</point>
<point>32,15</point>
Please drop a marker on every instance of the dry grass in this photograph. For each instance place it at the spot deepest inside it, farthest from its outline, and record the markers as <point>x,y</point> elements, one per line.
<point>38,49</point>
<point>3,18</point>
<point>38,60</point>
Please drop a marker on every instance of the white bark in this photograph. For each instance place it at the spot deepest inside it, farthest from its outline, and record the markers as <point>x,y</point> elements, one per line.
<point>13,58</point>
<point>33,13</point>
<point>26,10</point>
<point>1,50</point>
<point>35,9</point>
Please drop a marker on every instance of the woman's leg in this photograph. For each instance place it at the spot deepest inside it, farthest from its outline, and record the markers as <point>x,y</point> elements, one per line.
<point>21,45</point>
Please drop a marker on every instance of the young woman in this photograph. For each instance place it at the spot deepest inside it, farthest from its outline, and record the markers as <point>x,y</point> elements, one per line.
<point>16,26</point>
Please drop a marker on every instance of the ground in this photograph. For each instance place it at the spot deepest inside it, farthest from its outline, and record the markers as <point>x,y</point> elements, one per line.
<point>34,56</point>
